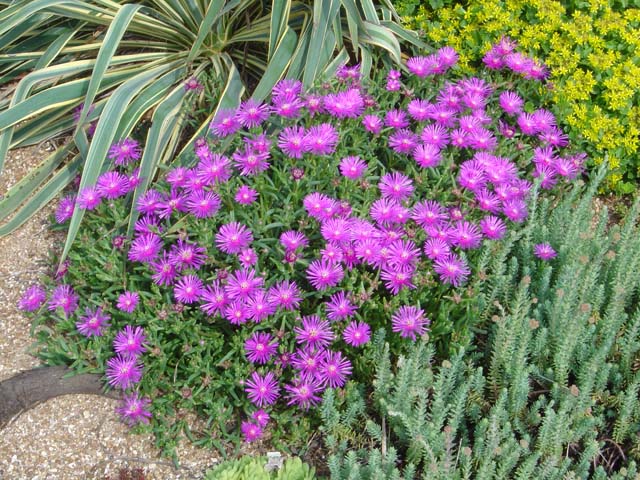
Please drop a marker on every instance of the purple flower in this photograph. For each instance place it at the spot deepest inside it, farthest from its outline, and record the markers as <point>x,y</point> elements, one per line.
<point>356,334</point>
<point>435,248</point>
<point>292,240</point>
<point>233,237</point>
<point>287,105</point>
<point>511,102</point>
<point>32,299</point>
<point>252,113</point>
<point>422,66</point>
<point>314,332</point>
<point>125,152</point>
<point>133,409</point>
<point>428,213</point>
<point>214,299</point>
<point>427,156</point>
<point>339,307</point>
<point>409,322</point>
<point>93,322</point>
<point>395,279</point>
<point>128,301</point>
<point>396,119</point>
<point>64,297</point>
<point>149,202</point>
<point>123,372</point>
<point>262,390</point>
<point>322,274</point>
<point>188,289</point>
<point>236,312</point>
<point>493,227</point>
<point>185,255</point>
<point>292,141</point>
<point>396,186</point>
<point>435,135</point>
<point>260,347</point>
<point>544,251</point>
<point>372,123</point>
<point>203,204</point>
<point>334,370</point>
<point>192,84</point>
<point>261,417</point>
<point>307,361</point>
<point>465,235</point>
<point>250,161</point>
<point>321,139</point>
<point>112,185</point>
<point>346,104</point>
<point>403,141</point>
<point>258,306</point>
<point>247,257</point>
<point>242,284</point>
<point>303,393</point>
<point>88,198</point>
<point>225,123</point>
<point>65,208</point>
<point>452,269</point>
<point>145,248</point>
<point>288,86</point>
<point>213,170</point>
<point>352,167</point>
<point>285,294</point>
<point>245,195</point>
<point>403,253</point>
<point>164,270</point>
<point>251,431</point>
<point>128,342</point>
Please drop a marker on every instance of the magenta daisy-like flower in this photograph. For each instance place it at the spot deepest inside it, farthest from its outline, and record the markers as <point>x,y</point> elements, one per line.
<point>340,307</point>
<point>383,211</point>
<point>236,312</point>
<point>409,321</point>
<point>242,284</point>
<point>245,195</point>
<point>123,372</point>
<point>149,202</point>
<point>292,240</point>
<point>225,123</point>
<point>352,167</point>
<point>345,104</point>
<point>250,162</point>
<point>372,123</point>
<point>252,113</point>
<point>203,204</point>
<point>488,201</point>
<point>396,119</point>
<point>88,198</point>
<point>421,66</point>
<point>515,210</point>
<point>428,213</point>
<point>112,185</point>
<point>188,289</point>
<point>185,255</point>
<point>260,347</point>
<point>395,185</point>
<point>357,334</point>
<point>435,248</point>
<point>233,238</point>
<point>403,253</point>
<point>175,201</point>
<point>436,135</point>
<point>322,274</point>
<point>214,299</point>
<point>303,393</point>
<point>258,306</point>
<point>261,417</point>
<point>427,156</point>
<point>452,269</point>
<point>125,152</point>
<point>493,227</point>
<point>65,208</point>
<point>213,170</point>
<point>248,257</point>
<point>321,139</point>
<point>177,177</point>
<point>465,235</point>
<point>32,299</point>
<point>511,102</point>
<point>128,301</point>
<point>251,431</point>
<point>403,141</point>
<point>336,230</point>
<point>133,409</point>
<point>148,224</point>
<point>64,297</point>
<point>544,251</point>
<point>292,141</point>
<point>314,332</point>
<point>334,370</point>
<point>368,251</point>
<point>128,342</point>
<point>164,271</point>
<point>288,105</point>
<point>307,361</point>
<point>93,322</point>
<point>285,294</point>
<point>395,279</point>
<point>145,248</point>
<point>262,390</point>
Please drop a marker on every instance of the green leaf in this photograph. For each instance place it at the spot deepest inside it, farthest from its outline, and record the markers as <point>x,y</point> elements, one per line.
<point>278,64</point>
<point>382,37</point>
<point>324,12</point>
<point>280,11</point>
<point>205,27</point>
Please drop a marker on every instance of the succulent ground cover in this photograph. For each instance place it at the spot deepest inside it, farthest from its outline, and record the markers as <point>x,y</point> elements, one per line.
<point>261,268</point>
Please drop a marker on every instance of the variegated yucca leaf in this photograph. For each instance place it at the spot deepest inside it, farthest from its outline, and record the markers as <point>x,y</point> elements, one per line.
<point>116,62</point>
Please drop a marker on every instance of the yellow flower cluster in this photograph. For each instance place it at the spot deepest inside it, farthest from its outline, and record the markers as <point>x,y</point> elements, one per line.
<point>591,49</point>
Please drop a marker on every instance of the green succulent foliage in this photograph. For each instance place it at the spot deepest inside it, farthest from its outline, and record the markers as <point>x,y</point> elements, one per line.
<point>253,468</point>
<point>116,64</point>
<point>548,388</point>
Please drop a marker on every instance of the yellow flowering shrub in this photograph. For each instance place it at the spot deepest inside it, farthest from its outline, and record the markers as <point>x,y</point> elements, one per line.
<point>592,50</point>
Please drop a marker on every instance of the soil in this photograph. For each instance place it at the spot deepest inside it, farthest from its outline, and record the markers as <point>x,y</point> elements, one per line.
<point>73,436</point>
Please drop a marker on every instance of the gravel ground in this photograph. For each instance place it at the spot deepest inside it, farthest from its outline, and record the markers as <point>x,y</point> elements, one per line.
<point>74,436</point>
